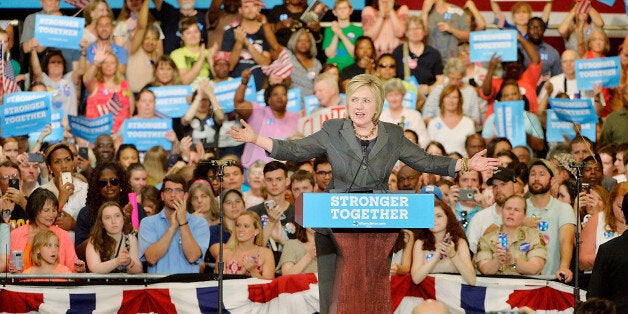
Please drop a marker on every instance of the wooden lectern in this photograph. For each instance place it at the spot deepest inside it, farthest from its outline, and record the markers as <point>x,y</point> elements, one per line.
<point>365,227</point>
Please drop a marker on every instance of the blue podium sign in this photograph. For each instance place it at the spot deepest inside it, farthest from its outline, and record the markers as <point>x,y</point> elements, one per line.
<point>352,210</point>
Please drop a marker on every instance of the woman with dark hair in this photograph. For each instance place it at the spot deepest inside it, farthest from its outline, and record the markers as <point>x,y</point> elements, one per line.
<point>568,191</point>
<point>108,183</point>
<point>110,249</point>
<point>364,56</point>
<point>126,155</point>
<point>233,206</point>
<point>298,256</point>
<point>166,72</point>
<point>41,210</point>
<point>272,120</point>
<point>70,190</point>
<point>192,59</point>
<point>452,127</point>
<point>443,248</point>
<point>61,82</point>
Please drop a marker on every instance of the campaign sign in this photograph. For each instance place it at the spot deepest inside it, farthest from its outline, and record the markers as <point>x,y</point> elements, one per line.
<point>413,81</point>
<point>574,110</point>
<point>501,43</point>
<point>89,129</point>
<point>355,210</point>
<point>591,72</point>
<point>59,31</point>
<point>146,133</point>
<point>25,112</point>
<point>294,100</point>
<point>409,101</point>
<point>509,121</point>
<point>311,103</point>
<point>556,128</point>
<point>57,128</point>
<point>172,100</point>
<point>225,92</point>
<point>313,122</point>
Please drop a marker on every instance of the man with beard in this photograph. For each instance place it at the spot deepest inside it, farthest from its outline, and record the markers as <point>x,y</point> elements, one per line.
<point>555,220</point>
<point>276,212</point>
<point>104,29</point>
<point>503,183</point>
<point>170,17</point>
<point>551,64</point>
<point>173,241</point>
<point>219,19</point>
<point>247,43</point>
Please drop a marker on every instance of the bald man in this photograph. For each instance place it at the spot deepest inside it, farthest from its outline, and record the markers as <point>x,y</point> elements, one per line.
<point>566,81</point>
<point>431,307</point>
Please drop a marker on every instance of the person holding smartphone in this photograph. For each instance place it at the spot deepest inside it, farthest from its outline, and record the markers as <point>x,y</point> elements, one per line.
<point>71,192</point>
<point>12,199</point>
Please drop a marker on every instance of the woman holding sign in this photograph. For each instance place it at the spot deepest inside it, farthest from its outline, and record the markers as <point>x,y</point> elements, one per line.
<point>348,143</point>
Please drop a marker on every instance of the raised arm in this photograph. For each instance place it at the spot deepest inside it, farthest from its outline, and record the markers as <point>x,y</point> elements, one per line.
<point>529,49</point>
<point>547,10</point>
<point>480,22</point>
<point>140,31</point>
<point>565,28</point>
<point>38,74</point>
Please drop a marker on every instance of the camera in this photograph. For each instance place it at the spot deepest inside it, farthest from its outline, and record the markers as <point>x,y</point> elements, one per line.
<point>467,195</point>
<point>14,183</point>
<point>586,187</point>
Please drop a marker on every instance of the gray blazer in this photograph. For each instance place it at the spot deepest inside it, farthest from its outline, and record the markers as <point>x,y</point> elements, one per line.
<point>337,139</point>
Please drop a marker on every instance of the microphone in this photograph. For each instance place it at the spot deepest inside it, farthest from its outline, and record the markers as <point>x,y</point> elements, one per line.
<point>216,163</point>
<point>364,144</point>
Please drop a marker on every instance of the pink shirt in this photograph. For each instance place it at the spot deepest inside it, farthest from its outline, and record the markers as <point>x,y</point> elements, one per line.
<point>67,255</point>
<point>386,40</point>
<point>264,122</point>
<point>97,104</point>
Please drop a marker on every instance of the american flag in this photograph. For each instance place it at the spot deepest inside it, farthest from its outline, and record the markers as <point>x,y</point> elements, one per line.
<point>161,115</point>
<point>583,6</point>
<point>281,67</point>
<point>114,105</point>
<point>6,71</point>
<point>79,4</point>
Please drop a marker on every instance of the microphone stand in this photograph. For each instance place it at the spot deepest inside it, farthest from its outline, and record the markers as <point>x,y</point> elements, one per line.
<point>576,287</point>
<point>220,172</point>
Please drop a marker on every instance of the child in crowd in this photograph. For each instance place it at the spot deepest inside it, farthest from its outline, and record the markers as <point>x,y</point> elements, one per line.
<point>339,39</point>
<point>45,255</point>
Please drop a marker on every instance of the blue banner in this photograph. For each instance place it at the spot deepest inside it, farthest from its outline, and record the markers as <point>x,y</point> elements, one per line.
<point>509,122</point>
<point>59,31</point>
<point>25,112</point>
<point>146,133</point>
<point>89,129</point>
<point>311,103</point>
<point>574,110</point>
<point>172,100</point>
<point>225,93</point>
<point>556,128</point>
<point>591,72</point>
<point>342,210</point>
<point>412,81</point>
<point>294,100</point>
<point>502,43</point>
<point>57,128</point>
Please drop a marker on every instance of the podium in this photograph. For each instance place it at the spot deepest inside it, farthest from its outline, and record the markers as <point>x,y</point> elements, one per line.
<point>365,227</point>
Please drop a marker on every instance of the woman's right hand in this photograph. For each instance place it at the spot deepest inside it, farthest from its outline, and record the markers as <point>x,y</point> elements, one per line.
<point>245,134</point>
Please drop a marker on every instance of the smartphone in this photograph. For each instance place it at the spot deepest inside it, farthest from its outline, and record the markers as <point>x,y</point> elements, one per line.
<point>467,195</point>
<point>586,187</point>
<point>269,205</point>
<point>6,214</point>
<point>14,183</point>
<point>35,157</point>
<point>83,152</point>
<point>66,177</point>
<point>16,260</point>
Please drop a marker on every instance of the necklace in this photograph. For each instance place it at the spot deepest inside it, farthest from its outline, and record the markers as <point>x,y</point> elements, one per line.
<point>367,136</point>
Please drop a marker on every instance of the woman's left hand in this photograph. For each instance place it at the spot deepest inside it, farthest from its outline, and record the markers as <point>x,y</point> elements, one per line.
<point>79,266</point>
<point>481,163</point>
<point>249,263</point>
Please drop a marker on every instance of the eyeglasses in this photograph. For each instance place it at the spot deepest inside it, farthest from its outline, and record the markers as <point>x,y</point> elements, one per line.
<point>104,183</point>
<point>175,190</point>
<point>323,173</point>
<point>386,65</point>
<point>13,176</point>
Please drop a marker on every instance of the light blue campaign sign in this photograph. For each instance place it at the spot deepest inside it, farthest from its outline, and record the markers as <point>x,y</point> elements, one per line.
<point>57,128</point>
<point>609,3</point>
<point>342,210</point>
<point>25,112</point>
<point>509,121</point>
<point>294,100</point>
<point>172,100</point>
<point>117,4</point>
<point>502,43</point>
<point>591,72</point>
<point>59,31</point>
<point>412,81</point>
<point>574,110</point>
<point>146,133</point>
<point>225,92</point>
<point>89,129</point>
<point>556,128</point>
<point>311,103</point>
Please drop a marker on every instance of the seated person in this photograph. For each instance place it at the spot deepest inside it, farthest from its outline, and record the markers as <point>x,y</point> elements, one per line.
<point>514,248</point>
<point>299,255</point>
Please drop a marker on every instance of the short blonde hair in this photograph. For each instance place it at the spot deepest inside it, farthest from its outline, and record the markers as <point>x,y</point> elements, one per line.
<point>597,29</point>
<point>375,86</point>
<point>39,241</point>
<point>454,65</point>
<point>338,2</point>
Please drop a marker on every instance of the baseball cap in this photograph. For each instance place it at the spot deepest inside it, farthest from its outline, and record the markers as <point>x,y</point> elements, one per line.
<point>502,174</point>
<point>432,189</point>
<point>543,162</point>
<point>221,56</point>
<point>259,3</point>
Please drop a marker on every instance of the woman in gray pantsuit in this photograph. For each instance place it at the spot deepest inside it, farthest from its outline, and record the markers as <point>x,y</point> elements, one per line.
<point>362,151</point>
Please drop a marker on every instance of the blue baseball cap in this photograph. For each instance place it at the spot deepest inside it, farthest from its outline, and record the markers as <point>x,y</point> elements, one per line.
<point>432,189</point>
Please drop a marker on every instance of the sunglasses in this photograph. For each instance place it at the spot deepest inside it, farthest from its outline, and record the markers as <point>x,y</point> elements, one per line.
<point>113,182</point>
<point>386,65</point>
